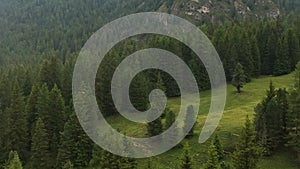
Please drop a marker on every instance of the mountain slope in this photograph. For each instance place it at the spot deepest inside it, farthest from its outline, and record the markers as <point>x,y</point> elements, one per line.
<point>32,30</point>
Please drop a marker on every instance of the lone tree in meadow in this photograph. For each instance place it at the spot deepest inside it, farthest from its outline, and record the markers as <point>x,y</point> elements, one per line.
<point>239,77</point>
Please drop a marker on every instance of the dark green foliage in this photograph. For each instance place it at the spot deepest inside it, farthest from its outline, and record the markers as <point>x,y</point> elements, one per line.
<point>40,146</point>
<point>170,118</point>
<point>32,109</point>
<point>14,161</point>
<point>213,158</point>
<point>186,159</point>
<point>282,64</point>
<point>188,119</point>
<point>57,117</point>
<point>50,72</point>
<point>219,148</point>
<point>239,77</point>
<point>75,145</point>
<point>155,127</point>
<point>293,48</point>
<point>68,165</point>
<point>247,154</point>
<point>105,160</point>
<point>139,92</point>
<point>293,122</point>
<point>270,120</point>
<point>17,133</point>
<point>256,57</point>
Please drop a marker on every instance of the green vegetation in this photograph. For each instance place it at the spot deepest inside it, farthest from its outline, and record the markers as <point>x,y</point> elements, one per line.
<point>39,43</point>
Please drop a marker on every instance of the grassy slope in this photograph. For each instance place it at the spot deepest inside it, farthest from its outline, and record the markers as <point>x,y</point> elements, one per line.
<point>237,107</point>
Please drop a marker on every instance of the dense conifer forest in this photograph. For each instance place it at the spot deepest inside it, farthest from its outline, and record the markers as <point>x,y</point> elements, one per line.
<point>41,39</point>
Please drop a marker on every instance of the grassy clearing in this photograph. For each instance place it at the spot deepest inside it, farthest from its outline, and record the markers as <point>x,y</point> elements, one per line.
<point>237,107</point>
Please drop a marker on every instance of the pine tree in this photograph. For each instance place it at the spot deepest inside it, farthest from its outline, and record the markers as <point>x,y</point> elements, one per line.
<point>293,122</point>
<point>50,73</point>
<point>293,48</point>
<point>40,146</point>
<point>270,120</point>
<point>68,165</point>
<point>57,117</point>
<point>75,145</point>
<point>17,127</point>
<point>239,77</point>
<point>245,56</point>
<point>150,164</point>
<point>247,153</point>
<point>139,92</point>
<point>32,109</point>
<point>219,148</point>
<point>282,64</point>
<point>186,159</point>
<point>256,57</point>
<point>213,158</point>
<point>188,119</point>
<point>170,118</point>
<point>154,127</point>
<point>14,161</point>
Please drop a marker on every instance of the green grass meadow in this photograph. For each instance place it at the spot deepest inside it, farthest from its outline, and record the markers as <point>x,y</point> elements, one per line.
<point>236,109</point>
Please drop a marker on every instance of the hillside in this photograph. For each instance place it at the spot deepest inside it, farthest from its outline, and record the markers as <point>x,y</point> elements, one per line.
<point>237,107</point>
<point>32,30</point>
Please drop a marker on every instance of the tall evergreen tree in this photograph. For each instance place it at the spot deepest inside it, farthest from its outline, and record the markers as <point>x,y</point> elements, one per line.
<point>188,118</point>
<point>68,165</point>
<point>17,127</point>
<point>50,73</point>
<point>170,118</point>
<point>247,153</point>
<point>270,120</point>
<point>293,48</point>
<point>57,117</point>
<point>186,159</point>
<point>213,158</point>
<point>40,146</point>
<point>282,64</point>
<point>256,57</point>
<point>239,77</point>
<point>219,148</point>
<point>294,115</point>
<point>32,109</point>
<point>75,145</point>
<point>14,161</point>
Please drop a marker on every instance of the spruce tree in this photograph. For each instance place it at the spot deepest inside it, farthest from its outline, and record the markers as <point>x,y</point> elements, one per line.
<point>219,148</point>
<point>213,158</point>
<point>14,161</point>
<point>239,77</point>
<point>50,73</point>
<point>293,48</point>
<point>75,145</point>
<point>246,154</point>
<point>170,118</point>
<point>17,134</point>
<point>40,146</point>
<point>188,119</point>
<point>256,57</point>
<point>32,109</point>
<point>68,165</point>
<point>154,127</point>
<point>293,122</point>
<point>282,64</point>
<point>57,117</point>
<point>270,120</point>
<point>186,159</point>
